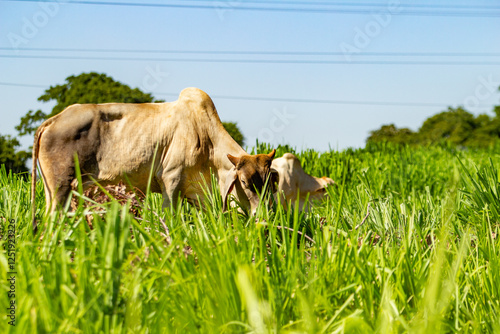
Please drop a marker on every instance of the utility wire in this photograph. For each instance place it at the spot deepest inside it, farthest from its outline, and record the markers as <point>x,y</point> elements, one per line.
<point>258,61</point>
<point>229,4</point>
<point>277,53</point>
<point>357,4</point>
<point>217,5</point>
<point>21,85</point>
<point>279,99</point>
<point>320,101</point>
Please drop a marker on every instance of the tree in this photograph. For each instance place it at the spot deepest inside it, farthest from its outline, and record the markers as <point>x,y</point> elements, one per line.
<point>490,126</point>
<point>234,131</point>
<point>455,126</point>
<point>390,133</point>
<point>84,88</point>
<point>13,161</point>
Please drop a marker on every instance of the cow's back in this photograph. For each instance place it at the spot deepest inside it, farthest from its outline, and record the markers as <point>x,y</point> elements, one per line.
<point>125,135</point>
<point>129,134</point>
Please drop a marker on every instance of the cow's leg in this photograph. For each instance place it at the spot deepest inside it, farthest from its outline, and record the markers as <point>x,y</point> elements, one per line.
<point>171,187</point>
<point>60,180</point>
<point>62,194</point>
<point>60,142</point>
<point>57,179</point>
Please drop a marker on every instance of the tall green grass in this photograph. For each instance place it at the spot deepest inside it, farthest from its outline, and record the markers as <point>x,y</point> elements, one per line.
<point>426,258</point>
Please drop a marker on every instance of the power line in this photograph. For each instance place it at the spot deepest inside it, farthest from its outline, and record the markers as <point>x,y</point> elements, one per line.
<point>258,61</point>
<point>360,4</point>
<point>279,99</point>
<point>297,3</point>
<point>278,9</point>
<point>266,53</point>
<point>21,85</point>
<point>321,101</point>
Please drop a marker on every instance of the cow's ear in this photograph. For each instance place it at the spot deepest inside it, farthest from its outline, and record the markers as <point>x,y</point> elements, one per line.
<point>320,190</point>
<point>325,183</point>
<point>271,155</point>
<point>234,160</point>
<point>228,186</point>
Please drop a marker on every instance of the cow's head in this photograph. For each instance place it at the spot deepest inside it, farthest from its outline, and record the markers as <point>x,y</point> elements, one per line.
<point>249,176</point>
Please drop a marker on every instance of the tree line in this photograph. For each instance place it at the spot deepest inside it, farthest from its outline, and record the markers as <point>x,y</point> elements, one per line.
<point>455,126</point>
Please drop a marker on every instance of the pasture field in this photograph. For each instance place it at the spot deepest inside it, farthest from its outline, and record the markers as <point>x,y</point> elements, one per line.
<point>406,242</point>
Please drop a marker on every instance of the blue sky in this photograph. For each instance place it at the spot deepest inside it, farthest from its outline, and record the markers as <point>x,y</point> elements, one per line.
<point>361,96</point>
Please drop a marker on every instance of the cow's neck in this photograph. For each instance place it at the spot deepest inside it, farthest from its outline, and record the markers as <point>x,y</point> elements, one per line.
<point>223,146</point>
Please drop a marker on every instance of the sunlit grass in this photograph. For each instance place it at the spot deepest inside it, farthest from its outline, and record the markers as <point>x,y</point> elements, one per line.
<point>425,260</point>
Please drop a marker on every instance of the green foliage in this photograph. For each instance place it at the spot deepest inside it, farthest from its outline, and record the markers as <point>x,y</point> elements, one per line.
<point>234,131</point>
<point>265,148</point>
<point>84,88</point>
<point>456,127</point>
<point>425,259</point>
<point>390,133</point>
<point>30,122</point>
<point>12,160</point>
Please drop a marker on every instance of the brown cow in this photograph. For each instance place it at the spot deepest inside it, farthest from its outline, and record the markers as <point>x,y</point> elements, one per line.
<point>181,143</point>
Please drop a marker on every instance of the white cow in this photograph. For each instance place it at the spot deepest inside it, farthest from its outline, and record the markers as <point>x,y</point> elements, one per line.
<point>181,142</point>
<point>295,183</point>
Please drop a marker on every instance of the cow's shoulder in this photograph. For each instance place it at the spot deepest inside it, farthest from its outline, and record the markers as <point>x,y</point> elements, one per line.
<point>285,166</point>
<point>292,161</point>
<point>198,100</point>
<point>193,93</point>
<point>290,157</point>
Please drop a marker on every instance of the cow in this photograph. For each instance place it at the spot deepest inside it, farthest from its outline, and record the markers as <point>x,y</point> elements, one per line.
<point>294,183</point>
<point>180,144</point>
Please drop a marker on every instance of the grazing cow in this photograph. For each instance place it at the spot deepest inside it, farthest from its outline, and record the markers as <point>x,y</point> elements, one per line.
<point>180,143</point>
<point>295,183</point>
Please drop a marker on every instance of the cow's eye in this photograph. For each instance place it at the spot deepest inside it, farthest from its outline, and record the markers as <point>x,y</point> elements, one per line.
<point>244,183</point>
